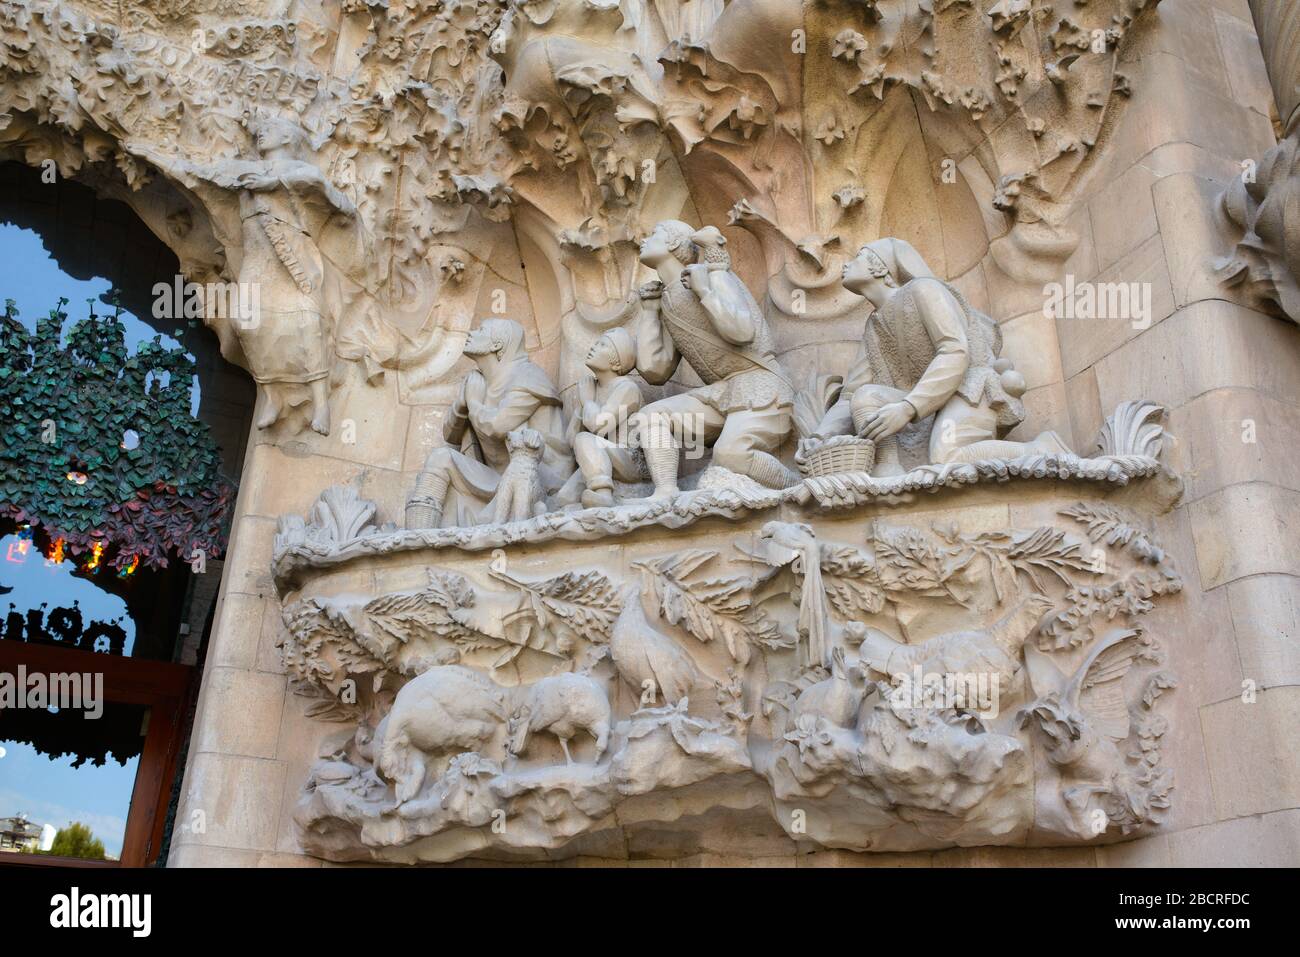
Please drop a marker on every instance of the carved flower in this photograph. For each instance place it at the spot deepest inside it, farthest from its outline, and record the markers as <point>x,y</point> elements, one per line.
<point>829,131</point>
<point>849,196</point>
<point>848,45</point>
<point>809,732</point>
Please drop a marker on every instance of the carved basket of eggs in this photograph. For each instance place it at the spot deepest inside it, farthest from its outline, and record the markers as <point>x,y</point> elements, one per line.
<point>839,453</point>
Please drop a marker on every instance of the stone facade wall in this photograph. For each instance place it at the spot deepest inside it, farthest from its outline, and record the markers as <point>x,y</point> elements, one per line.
<point>1202,106</point>
<point>1143,206</point>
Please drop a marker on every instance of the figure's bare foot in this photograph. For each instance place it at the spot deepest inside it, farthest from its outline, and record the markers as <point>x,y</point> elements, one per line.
<point>320,422</point>
<point>270,410</point>
<point>668,491</point>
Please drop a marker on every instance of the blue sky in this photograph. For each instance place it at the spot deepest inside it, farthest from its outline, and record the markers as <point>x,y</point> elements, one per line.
<point>48,791</point>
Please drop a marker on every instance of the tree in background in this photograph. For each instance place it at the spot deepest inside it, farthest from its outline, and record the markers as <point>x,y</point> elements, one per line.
<point>76,840</point>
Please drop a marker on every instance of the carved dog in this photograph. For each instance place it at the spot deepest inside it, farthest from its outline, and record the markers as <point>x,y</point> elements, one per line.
<point>520,494</point>
<point>564,705</point>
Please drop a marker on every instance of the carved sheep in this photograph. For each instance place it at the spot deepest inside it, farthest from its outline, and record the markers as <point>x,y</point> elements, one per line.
<point>447,708</point>
<point>564,705</point>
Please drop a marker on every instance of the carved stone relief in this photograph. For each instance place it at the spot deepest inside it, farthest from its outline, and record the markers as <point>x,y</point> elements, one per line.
<point>383,169</point>
<point>866,681</point>
<point>601,241</point>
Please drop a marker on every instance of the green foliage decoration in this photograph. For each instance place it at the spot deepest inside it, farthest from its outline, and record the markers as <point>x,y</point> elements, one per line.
<point>66,411</point>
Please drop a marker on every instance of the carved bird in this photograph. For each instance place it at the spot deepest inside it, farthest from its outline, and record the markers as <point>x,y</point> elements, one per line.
<point>994,651</point>
<point>642,654</point>
<point>795,544</point>
<point>1082,715</point>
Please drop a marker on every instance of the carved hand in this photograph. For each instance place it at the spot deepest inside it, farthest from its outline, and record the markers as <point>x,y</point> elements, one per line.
<point>887,420</point>
<point>696,278</point>
<point>653,289</point>
<point>475,387</point>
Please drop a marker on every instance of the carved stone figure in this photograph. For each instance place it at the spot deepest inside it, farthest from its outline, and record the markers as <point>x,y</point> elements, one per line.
<point>927,352</point>
<point>601,428</point>
<point>506,392</point>
<point>1263,212</point>
<point>709,318</point>
<point>566,705</point>
<point>836,699</point>
<point>445,709</point>
<point>1082,716</point>
<point>994,652</point>
<point>647,659</point>
<point>284,203</point>
<point>520,493</point>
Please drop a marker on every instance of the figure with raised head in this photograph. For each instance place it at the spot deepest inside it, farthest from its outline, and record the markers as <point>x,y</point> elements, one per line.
<point>505,392</point>
<point>600,431</point>
<point>926,352</point>
<point>701,312</point>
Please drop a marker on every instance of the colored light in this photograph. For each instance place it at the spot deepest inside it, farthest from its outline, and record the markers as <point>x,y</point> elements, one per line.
<point>96,551</point>
<point>56,554</point>
<point>78,478</point>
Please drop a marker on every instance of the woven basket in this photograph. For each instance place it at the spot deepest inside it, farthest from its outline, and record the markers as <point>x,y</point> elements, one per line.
<point>841,453</point>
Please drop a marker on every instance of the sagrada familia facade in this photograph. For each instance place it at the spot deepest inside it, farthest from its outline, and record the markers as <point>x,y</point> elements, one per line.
<point>809,431</point>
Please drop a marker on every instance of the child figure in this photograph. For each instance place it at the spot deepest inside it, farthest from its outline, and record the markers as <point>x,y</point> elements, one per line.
<point>607,398</point>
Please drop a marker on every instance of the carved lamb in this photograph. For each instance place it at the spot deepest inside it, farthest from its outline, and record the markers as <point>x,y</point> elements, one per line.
<point>448,708</point>
<point>565,705</point>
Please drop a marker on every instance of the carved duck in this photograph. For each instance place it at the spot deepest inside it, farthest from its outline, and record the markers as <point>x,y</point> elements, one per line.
<point>641,653</point>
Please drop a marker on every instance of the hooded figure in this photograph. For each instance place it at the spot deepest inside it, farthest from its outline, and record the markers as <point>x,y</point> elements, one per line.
<point>504,393</point>
<point>927,352</point>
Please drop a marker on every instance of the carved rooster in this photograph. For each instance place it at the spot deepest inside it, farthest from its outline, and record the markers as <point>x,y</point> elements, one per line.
<point>642,654</point>
<point>994,651</point>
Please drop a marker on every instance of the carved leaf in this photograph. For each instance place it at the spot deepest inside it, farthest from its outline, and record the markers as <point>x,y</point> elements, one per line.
<point>583,603</point>
<point>908,560</point>
<point>851,582</point>
<point>1109,526</point>
<point>710,609</point>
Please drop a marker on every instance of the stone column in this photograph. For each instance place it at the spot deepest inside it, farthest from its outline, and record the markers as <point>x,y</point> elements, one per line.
<point>1278,24</point>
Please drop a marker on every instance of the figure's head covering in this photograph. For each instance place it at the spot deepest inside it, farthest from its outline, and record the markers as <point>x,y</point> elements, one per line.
<point>509,334</point>
<point>519,372</point>
<point>876,264</point>
<point>897,258</point>
<point>624,349</point>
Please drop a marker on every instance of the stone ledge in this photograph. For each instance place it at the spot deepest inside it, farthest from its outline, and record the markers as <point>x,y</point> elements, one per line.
<point>814,495</point>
